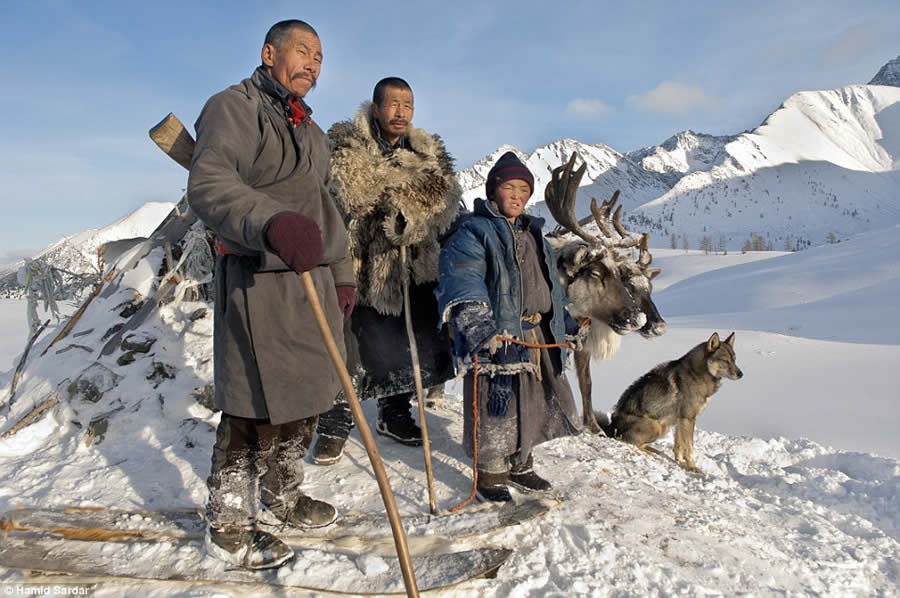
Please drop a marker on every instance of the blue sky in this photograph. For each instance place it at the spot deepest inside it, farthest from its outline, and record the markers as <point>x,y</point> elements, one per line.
<point>84,81</point>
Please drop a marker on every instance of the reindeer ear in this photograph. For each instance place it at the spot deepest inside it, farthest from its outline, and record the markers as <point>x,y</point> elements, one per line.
<point>713,343</point>
<point>651,274</point>
<point>568,262</point>
<point>582,255</point>
<point>730,340</point>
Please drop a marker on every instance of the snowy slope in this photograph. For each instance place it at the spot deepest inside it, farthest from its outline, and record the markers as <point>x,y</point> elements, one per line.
<point>800,457</point>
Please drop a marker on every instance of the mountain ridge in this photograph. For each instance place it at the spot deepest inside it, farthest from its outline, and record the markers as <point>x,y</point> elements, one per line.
<point>824,164</point>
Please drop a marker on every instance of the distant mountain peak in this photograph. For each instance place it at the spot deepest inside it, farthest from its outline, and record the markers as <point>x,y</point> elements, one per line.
<point>889,74</point>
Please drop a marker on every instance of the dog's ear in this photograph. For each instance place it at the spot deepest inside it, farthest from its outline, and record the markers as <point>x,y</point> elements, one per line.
<point>713,343</point>
<point>730,340</point>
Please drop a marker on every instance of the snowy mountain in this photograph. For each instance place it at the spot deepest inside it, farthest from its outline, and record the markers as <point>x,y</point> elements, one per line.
<point>889,74</point>
<point>680,154</point>
<point>77,254</point>
<point>798,494</point>
<point>826,163</point>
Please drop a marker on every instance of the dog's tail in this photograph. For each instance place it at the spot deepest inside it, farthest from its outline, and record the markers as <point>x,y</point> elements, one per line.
<point>605,422</point>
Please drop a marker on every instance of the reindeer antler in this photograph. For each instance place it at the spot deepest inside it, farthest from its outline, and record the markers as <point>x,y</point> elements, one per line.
<point>559,196</point>
<point>645,258</point>
<point>601,216</point>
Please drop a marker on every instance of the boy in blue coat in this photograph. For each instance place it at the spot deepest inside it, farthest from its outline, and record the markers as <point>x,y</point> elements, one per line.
<point>498,280</point>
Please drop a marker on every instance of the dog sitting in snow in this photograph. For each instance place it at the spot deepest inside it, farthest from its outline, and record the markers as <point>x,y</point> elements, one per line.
<point>673,394</point>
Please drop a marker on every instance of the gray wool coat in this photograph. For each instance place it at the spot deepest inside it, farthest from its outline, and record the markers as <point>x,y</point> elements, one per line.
<point>249,165</point>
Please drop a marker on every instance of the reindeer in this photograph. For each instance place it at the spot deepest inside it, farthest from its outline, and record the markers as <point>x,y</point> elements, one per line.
<point>603,285</point>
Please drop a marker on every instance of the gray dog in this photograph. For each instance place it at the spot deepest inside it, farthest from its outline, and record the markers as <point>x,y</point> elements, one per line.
<point>673,393</point>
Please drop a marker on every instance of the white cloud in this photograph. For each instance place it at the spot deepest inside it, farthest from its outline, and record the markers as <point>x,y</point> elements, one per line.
<point>587,108</point>
<point>671,97</point>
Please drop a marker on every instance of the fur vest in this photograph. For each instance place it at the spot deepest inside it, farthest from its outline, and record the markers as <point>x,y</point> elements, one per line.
<point>407,198</point>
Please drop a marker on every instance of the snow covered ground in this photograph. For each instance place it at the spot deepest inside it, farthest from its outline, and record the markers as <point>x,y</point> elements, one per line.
<point>14,327</point>
<point>798,495</point>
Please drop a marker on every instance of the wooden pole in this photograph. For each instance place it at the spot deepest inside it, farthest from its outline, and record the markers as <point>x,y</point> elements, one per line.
<point>368,441</point>
<point>417,376</point>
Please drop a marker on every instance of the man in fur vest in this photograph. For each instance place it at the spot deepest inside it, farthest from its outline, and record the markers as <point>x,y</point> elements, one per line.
<point>396,186</point>
<point>259,180</point>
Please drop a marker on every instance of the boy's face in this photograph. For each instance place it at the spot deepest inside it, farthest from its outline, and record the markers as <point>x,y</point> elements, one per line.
<point>511,197</point>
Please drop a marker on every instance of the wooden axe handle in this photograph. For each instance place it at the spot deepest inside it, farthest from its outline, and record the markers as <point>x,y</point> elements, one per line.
<point>171,137</point>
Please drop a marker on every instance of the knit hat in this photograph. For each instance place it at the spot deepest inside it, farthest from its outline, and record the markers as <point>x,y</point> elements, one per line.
<point>507,168</point>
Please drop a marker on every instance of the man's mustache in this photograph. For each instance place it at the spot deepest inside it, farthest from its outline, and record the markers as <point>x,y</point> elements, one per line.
<point>306,76</point>
<point>399,121</point>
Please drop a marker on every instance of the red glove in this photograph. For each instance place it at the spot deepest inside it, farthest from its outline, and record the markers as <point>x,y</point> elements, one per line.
<point>346,299</point>
<point>296,239</point>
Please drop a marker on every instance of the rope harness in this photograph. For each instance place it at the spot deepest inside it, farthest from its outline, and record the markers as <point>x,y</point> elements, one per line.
<point>536,347</point>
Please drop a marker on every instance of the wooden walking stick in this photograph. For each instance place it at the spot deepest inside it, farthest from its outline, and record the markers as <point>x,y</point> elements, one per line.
<point>417,376</point>
<point>171,137</point>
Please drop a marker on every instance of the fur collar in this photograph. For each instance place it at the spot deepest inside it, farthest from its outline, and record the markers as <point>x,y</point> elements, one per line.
<point>408,197</point>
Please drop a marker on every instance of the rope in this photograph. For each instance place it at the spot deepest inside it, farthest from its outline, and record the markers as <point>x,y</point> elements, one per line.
<point>507,339</point>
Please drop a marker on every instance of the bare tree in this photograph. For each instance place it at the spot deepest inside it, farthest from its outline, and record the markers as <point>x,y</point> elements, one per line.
<point>706,244</point>
<point>832,237</point>
<point>684,243</point>
<point>673,241</point>
<point>757,242</point>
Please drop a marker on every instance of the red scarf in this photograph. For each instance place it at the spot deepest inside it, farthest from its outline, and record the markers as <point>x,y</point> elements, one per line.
<point>297,112</point>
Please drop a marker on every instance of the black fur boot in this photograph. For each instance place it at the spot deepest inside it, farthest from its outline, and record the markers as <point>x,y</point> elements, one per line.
<point>492,486</point>
<point>524,478</point>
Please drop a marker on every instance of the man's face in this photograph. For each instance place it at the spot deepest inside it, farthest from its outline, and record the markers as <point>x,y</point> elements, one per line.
<point>296,65</point>
<point>511,197</point>
<point>395,113</point>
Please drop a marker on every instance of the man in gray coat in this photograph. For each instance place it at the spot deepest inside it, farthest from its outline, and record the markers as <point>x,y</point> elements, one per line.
<point>259,179</point>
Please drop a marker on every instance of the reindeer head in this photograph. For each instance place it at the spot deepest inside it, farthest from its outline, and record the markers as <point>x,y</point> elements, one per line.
<point>592,280</point>
<point>638,278</point>
<point>589,270</point>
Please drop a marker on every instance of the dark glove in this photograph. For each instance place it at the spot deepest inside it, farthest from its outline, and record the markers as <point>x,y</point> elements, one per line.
<point>346,295</point>
<point>474,326</point>
<point>296,239</point>
<point>500,391</point>
<point>500,387</point>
